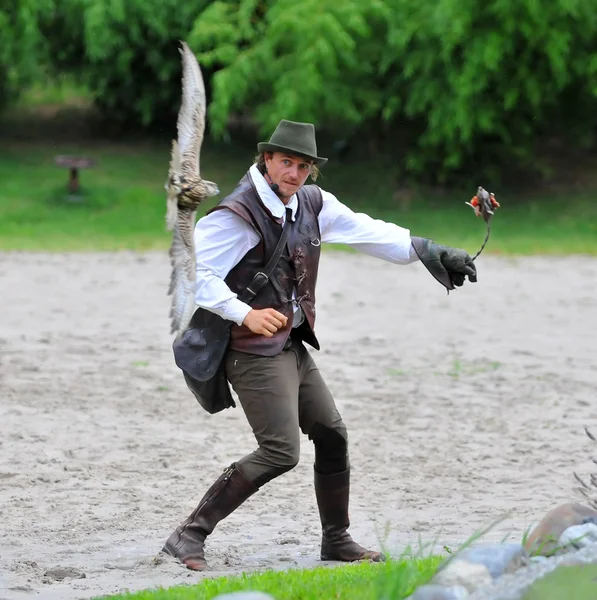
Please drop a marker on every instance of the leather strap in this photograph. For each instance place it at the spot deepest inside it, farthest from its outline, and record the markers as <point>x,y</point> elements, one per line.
<point>262,277</point>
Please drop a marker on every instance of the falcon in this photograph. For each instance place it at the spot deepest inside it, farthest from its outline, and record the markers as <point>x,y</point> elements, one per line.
<point>186,190</point>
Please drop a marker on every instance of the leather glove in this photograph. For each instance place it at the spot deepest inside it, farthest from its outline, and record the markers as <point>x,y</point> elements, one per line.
<point>450,266</point>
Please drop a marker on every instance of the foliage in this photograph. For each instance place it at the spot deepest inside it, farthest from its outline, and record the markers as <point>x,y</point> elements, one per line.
<point>125,52</point>
<point>488,81</point>
<point>393,580</point>
<point>472,84</point>
<point>309,61</point>
<point>20,47</point>
<point>446,88</point>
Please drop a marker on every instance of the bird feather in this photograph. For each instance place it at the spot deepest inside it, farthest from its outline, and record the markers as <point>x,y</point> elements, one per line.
<point>191,117</point>
<point>172,200</point>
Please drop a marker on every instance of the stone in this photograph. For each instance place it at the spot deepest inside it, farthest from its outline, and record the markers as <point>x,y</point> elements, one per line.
<point>545,537</point>
<point>462,573</point>
<point>498,558</point>
<point>244,596</point>
<point>62,573</point>
<point>440,592</point>
<point>579,536</point>
<point>570,560</point>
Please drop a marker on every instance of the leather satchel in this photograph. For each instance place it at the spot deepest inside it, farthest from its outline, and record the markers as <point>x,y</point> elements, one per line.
<point>200,351</point>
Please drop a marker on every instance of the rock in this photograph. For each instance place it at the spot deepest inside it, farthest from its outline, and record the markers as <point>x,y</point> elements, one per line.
<point>498,558</point>
<point>61,573</point>
<point>289,540</point>
<point>579,536</point>
<point>545,537</point>
<point>439,592</point>
<point>244,596</point>
<point>569,560</point>
<point>462,573</point>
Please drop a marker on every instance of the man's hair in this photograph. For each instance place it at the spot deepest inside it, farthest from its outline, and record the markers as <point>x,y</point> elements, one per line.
<point>260,162</point>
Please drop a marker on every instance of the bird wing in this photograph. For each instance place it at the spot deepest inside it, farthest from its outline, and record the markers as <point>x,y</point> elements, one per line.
<point>191,116</point>
<point>179,219</point>
<point>182,279</point>
<point>172,200</point>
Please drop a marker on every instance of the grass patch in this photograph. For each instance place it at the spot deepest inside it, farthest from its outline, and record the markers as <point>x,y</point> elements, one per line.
<point>575,581</point>
<point>391,580</point>
<point>122,203</point>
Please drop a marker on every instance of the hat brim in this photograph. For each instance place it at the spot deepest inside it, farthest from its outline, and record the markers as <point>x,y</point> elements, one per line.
<point>267,147</point>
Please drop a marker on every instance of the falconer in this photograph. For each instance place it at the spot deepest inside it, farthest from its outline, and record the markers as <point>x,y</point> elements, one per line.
<point>279,387</point>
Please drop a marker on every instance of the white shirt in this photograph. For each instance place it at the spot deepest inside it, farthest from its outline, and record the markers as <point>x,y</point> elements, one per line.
<point>222,239</point>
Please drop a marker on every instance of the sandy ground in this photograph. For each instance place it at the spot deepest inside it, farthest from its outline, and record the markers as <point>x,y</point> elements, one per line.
<point>459,409</point>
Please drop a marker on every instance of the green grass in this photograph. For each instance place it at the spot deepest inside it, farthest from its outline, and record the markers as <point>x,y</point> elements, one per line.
<point>578,582</point>
<point>392,580</point>
<point>122,204</point>
<point>122,201</point>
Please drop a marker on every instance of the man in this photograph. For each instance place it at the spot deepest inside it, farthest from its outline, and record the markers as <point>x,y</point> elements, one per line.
<point>278,385</point>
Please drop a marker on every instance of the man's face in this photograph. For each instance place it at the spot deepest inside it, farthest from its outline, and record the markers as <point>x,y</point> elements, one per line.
<point>289,172</point>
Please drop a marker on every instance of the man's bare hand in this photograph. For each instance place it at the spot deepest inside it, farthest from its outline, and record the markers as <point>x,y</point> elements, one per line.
<point>265,321</point>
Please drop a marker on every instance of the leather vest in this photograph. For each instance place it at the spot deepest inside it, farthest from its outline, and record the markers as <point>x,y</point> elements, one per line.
<point>296,271</point>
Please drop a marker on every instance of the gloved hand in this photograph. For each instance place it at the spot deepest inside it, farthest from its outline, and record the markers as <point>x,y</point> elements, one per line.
<point>450,266</point>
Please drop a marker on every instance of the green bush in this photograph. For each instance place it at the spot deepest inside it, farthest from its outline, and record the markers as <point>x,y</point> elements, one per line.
<point>489,82</point>
<point>471,85</point>
<point>313,60</point>
<point>125,52</point>
<point>20,47</point>
<point>445,88</point>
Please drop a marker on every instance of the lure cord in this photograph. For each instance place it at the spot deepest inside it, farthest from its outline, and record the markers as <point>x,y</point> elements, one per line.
<point>485,242</point>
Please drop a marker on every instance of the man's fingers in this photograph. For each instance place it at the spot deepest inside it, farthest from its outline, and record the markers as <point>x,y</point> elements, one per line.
<point>265,321</point>
<point>457,279</point>
<point>278,316</point>
<point>271,319</point>
<point>269,326</point>
<point>471,271</point>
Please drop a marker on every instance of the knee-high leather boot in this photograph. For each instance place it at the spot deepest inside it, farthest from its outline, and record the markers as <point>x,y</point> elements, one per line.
<point>187,541</point>
<point>332,493</point>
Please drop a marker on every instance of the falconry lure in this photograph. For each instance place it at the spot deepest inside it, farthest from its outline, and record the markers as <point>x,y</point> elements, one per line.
<point>484,204</point>
<point>186,190</point>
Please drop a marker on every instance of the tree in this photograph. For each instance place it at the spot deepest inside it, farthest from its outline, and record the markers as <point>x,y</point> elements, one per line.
<point>475,85</point>
<point>21,47</point>
<point>312,61</point>
<point>125,52</point>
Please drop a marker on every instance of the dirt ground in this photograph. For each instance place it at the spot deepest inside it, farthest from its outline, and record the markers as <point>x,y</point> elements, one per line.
<point>460,409</point>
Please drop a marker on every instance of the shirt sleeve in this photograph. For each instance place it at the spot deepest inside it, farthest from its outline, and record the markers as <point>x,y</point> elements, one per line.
<point>221,238</point>
<point>340,225</point>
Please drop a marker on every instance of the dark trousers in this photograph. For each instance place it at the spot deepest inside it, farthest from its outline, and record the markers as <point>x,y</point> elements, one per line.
<point>281,396</point>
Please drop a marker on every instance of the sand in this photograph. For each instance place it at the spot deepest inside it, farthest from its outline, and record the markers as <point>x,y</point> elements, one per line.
<point>460,409</point>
